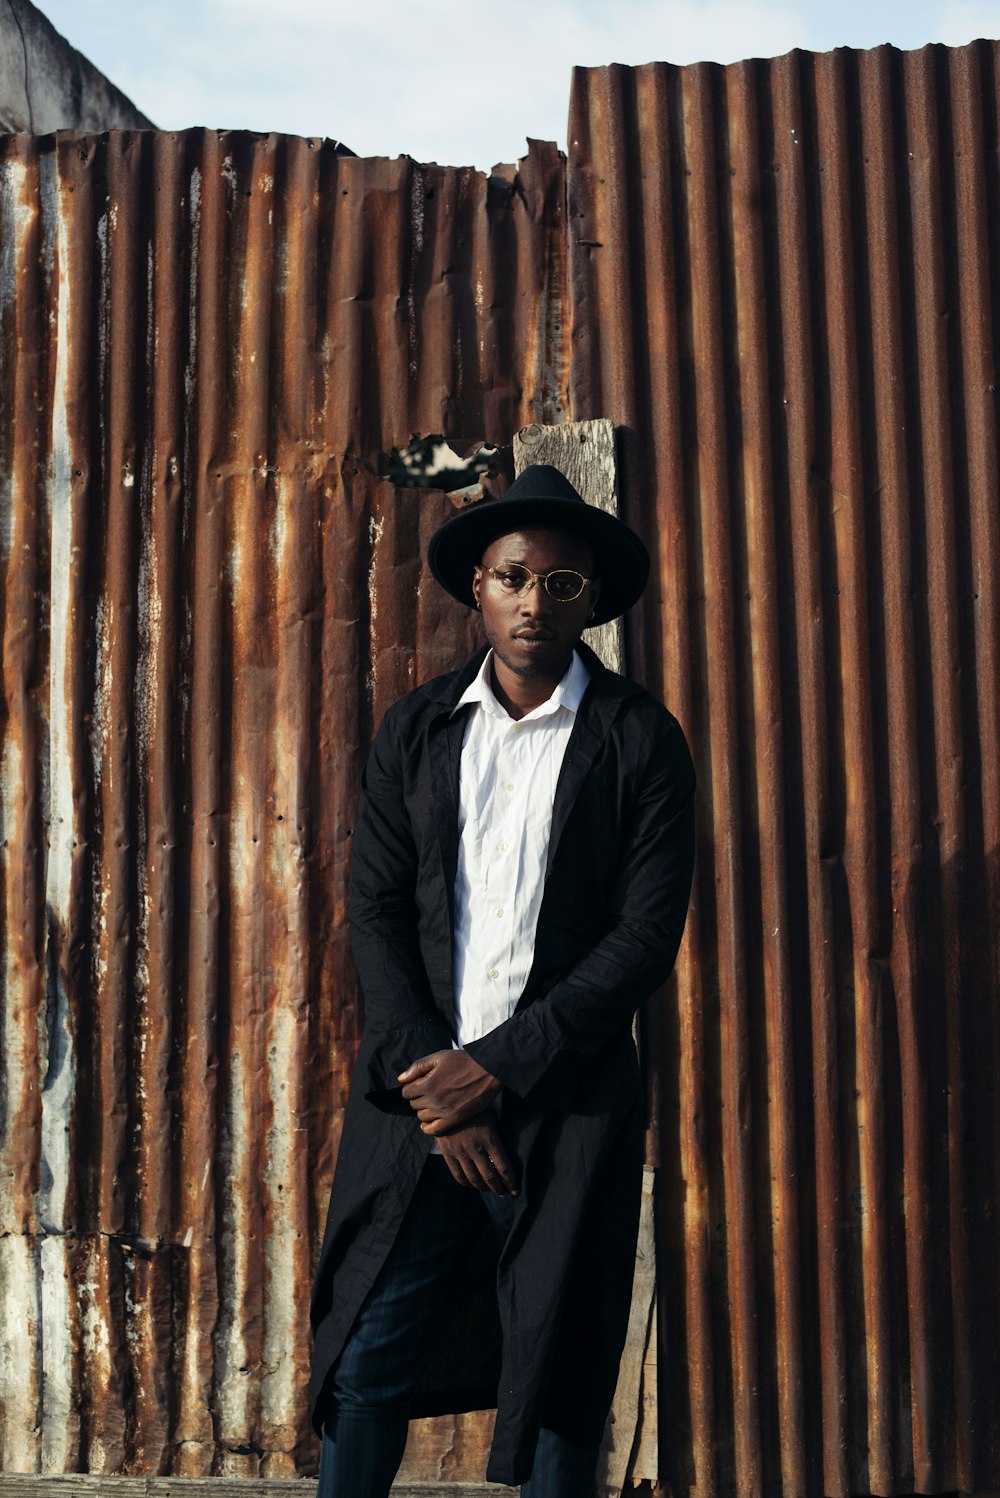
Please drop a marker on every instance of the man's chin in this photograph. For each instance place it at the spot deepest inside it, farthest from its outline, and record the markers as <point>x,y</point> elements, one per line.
<point>531,665</point>
<point>527,669</point>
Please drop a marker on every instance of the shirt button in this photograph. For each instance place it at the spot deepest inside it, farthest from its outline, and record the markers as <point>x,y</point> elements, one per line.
<point>492,973</point>
<point>517,728</point>
<point>508,785</point>
<point>501,847</point>
<point>499,911</point>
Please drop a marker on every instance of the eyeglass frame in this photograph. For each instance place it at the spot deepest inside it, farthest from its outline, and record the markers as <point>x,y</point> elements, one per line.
<point>539,577</point>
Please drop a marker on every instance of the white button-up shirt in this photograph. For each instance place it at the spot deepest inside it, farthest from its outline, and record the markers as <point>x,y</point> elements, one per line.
<point>507,785</point>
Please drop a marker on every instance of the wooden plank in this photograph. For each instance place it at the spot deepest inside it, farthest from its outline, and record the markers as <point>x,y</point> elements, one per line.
<point>616,1460</point>
<point>585,452</point>
<point>645,1463</point>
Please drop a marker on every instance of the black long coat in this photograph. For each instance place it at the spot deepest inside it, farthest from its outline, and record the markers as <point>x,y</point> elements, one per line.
<point>612,913</point>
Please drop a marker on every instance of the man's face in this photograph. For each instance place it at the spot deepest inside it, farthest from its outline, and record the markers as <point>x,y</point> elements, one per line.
<point>531,632</point>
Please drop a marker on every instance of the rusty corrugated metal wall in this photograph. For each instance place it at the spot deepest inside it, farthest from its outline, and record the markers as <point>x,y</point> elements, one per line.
<point>208,597</point>
<point>776,278</point>
<point>783,280</point>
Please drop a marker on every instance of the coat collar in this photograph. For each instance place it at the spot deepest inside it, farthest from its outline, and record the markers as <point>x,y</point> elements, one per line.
<point>600,706</point>
<point>604,684</point>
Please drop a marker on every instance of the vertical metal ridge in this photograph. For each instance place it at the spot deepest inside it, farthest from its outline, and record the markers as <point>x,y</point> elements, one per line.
<point>247,505</point>
<point>761,481</point>
<point>813,837</point>
<point>974,79</point>
<point>286,1229</point>
<point>876,832</point>
<point>118,731</point>
<point>777,280</point>
<point>927,195</point>
<point>201,1159</point>
<point>820,330</point>
<point>23,371</point>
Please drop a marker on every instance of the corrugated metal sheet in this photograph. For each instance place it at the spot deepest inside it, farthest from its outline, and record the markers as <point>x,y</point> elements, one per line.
<point>777,279</point>
<point>783,290</point>
<point>208,597</point>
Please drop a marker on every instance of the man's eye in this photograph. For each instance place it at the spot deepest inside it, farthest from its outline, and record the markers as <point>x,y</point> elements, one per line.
<point>565,584</point>
<point>509,577</point>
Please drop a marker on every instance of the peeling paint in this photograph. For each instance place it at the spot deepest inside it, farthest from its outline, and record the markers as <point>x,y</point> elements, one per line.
<point>17,210</point>
<point>59,1422</point>
<point>56,1039</point>
<point>178,1024</point>
<point>19,1349</point>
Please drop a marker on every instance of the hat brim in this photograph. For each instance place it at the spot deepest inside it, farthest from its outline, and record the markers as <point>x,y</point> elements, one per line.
<point>621,559</point>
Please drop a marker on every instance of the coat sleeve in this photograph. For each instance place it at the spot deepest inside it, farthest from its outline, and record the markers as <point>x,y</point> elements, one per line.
<point>401,1018</point>
<point>533,1052</point>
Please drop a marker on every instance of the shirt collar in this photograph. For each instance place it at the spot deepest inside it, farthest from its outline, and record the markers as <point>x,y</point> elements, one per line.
<point>568,694</point>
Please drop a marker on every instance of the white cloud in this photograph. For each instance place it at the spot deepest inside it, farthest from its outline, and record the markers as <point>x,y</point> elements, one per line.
<point>454,82</point>
<point>460,83</point>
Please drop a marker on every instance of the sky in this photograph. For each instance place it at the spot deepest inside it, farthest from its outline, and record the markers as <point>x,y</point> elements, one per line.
<point>460,82</point>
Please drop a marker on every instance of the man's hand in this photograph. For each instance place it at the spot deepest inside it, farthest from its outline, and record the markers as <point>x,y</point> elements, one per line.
<point>446,1089</point>
<point>476,1157</point>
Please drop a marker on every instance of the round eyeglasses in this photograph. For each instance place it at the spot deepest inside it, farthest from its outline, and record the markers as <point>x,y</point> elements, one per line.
<point>562,583</point>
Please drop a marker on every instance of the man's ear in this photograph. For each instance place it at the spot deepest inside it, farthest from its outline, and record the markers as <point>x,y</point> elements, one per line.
<point>477,583</point>
<point>595,593</point>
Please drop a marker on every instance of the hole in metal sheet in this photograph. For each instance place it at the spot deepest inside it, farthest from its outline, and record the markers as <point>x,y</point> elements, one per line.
<point>466,469</point>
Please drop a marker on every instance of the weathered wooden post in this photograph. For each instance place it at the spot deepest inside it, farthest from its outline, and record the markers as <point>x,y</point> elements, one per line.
<point>585,452</point>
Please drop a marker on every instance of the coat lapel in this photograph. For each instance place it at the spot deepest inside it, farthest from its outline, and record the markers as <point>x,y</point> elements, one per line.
<point>445,733</point>
<point>589,732</point>
<point>444,752</point>
<point>598,711</point>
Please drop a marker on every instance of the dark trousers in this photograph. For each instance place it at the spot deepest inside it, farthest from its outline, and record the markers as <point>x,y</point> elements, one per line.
<point>374,1380</point>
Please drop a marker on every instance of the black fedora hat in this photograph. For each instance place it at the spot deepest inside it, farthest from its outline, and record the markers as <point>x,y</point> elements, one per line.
<point>542,497</point>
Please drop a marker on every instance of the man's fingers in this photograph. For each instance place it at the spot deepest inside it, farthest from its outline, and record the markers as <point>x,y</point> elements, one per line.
<point>457,1173</point>
<point>491,1176</point>
<point>434,1120</point>
<point>468,1175</point>
<point>437,1120</point>
<point>443,1119</point>
<point>502,1171</point>
<point>418,1068</point>
<point>505,1169</point>
<point>480,1172</point>
<point>476,1156</point>
<point>417,1095</point>
<point>468,1157</point>
<point>458,1078</point>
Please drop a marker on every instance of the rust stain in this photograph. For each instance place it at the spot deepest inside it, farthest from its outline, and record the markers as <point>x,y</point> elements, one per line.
<point>209,597</point>
<point>790,320</point>
<point>777,280</point>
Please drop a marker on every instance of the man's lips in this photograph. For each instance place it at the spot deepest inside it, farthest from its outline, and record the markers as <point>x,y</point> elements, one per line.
<point>533,636</point>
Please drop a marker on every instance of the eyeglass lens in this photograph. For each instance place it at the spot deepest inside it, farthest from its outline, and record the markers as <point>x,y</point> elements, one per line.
<point>563,585</point>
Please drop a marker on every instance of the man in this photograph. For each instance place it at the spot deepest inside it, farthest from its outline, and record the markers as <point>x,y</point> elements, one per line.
<point>521,866</point>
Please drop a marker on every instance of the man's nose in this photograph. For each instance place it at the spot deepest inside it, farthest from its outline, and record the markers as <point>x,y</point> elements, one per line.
<point>535,600</point>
